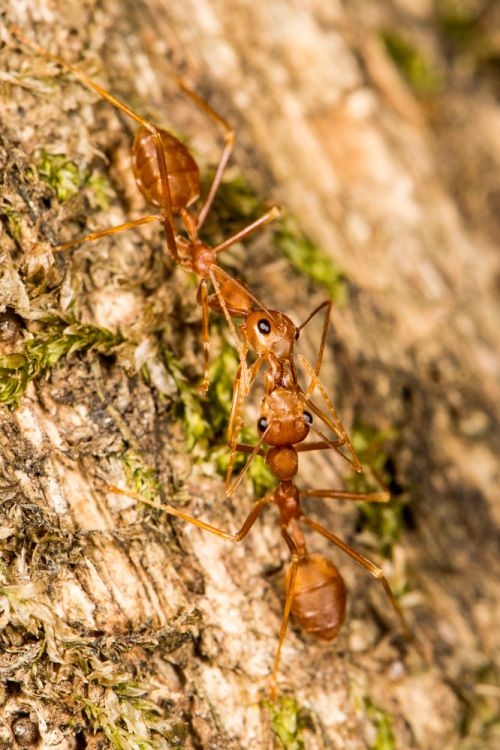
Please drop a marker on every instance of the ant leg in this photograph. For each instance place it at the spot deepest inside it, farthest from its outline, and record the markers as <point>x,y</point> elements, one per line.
<point>202,299</point>
<point>370,567</point>
<point>235,422</point>
<point>328,304</point>
<point>339,428</point>
<point>319,446</point>
<point>294,558</point>
<point>240,390</point>
<point>335,445</point>
<point>254,450</point>
<point>372,497</point>
<point>326,444</point>
<point>254,369</point>
<point>229,139</point>
<point>222,302</point>
<point>241,534</point>
<point>105,232</point>
<point>382,496</point>
<point>168,218</point>
<point>250,229</point>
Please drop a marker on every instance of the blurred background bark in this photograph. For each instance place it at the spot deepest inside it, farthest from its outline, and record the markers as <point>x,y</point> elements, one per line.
<point>377,127</point>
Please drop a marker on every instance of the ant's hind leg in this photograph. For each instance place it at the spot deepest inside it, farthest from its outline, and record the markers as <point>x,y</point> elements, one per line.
<point>229,138</point>
<point>237,537</point>
<point>294,553</point>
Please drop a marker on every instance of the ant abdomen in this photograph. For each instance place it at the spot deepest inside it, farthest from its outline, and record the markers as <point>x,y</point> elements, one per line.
<point>319,597</point>
<point>183,172</point>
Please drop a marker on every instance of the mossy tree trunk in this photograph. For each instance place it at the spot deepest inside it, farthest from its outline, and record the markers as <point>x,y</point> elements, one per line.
<point>392,170</point>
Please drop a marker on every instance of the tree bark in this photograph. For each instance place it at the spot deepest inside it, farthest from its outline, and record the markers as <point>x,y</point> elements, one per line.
<point>106,602</point>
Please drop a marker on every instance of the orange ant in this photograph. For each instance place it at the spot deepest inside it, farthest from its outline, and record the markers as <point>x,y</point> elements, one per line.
<point>272,335</point>
<point>315,591</point>
<point>168,177</point>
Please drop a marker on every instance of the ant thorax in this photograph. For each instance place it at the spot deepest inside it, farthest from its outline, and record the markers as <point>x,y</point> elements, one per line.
<point>279,374</point>
<point>202,259</point>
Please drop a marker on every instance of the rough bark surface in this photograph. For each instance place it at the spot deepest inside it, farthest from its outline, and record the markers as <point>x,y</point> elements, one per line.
<point>400,190</point>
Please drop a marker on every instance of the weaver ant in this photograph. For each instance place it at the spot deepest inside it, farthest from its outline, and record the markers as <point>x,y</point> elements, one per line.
<point>315,591</point>
<point>168,177</point>
<point>272,335</point>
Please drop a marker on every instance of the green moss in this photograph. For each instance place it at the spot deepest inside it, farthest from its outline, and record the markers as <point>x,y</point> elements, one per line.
<point>189,409</point>
<point>469,34</point>
<point>236,205</point>
<point>140,477</point>
<point>478,691</point>
<point>223,371</point>
<point>385,739</point>
<point>308,259</point>
<point>45,349</point>
<point>66,179</point>
<point>424,79</point>
<point>100,187</point>
<point>288,722</point>
<point>130,723</point>
<point>15,230</point>
<point>371,445</point>
<point>384,521</point>
<point>462,24</point>
<point>102,686</point>
<point>62,175</point>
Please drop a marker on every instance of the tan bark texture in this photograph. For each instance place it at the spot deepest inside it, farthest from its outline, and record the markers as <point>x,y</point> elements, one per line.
<point>376,126</point>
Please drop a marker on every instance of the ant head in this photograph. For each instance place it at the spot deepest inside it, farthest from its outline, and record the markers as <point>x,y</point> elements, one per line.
<point>271,331</point>
<point>283,415</point>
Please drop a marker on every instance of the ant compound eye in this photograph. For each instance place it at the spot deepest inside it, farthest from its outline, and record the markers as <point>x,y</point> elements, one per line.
<point>262,424</point>
<point>264,326</point>
<point>308,417</point>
